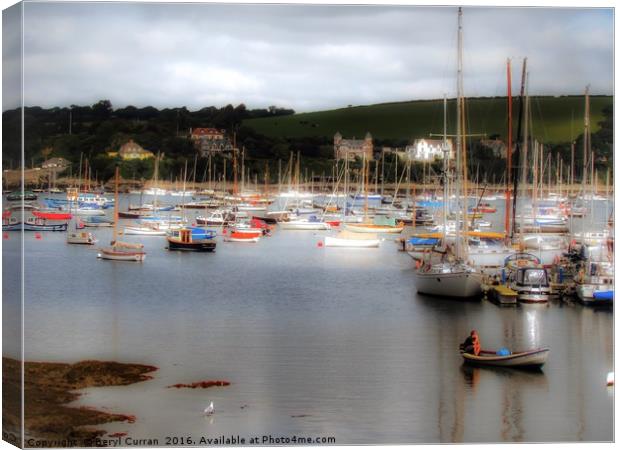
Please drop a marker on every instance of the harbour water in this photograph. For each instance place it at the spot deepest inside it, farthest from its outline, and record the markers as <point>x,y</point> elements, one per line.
<point>316,342</point>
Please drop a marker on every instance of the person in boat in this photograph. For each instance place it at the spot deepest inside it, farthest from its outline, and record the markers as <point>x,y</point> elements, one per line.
<point>471,344</point>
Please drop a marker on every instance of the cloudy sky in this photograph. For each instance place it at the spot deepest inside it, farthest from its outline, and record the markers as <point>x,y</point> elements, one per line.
<point>306,57</point>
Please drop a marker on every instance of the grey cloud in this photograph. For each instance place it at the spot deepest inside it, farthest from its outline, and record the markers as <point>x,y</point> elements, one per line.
<point>300,56</point>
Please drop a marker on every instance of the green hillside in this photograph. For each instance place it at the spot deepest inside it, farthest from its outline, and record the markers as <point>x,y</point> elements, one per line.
<point>555,119</point>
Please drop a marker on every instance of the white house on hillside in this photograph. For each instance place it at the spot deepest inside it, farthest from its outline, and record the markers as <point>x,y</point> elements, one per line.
<point>428,149</point>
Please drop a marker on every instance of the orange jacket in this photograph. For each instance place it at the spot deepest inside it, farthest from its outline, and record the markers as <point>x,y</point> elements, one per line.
<point>476,342</point>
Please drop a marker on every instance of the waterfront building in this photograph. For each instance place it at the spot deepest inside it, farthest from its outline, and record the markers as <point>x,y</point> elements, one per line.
<point>210,140</point>
<point>352,148</point>
<point>427,149</point>
<point>132,150</point>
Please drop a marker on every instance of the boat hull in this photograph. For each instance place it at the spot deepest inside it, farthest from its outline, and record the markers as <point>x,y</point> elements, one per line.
<point>351,243</point>
<point>592,294</point>
<point>304,226</point>
<point>46,227</point>
<point>532,359</point>
<point>362,228</point>
<point>119,255</point>
<point>194,246</point>
<point>455,285</point>
<point>241,239</point>
<point>83,238</point>
<point>143,231</point>
<point>502,295</point>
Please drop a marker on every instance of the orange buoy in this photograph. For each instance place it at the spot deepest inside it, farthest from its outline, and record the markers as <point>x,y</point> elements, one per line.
<point>5,236</point>
<point>37,236</point>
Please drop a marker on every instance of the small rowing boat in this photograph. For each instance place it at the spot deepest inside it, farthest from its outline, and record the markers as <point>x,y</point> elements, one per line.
<point>530,359</point>
<point>236,236</point>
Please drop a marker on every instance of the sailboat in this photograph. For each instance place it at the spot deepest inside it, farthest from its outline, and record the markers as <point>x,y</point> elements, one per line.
<point>380,224</point>
<point>453,277</point>
<point>348,238</point>
<point>120,251</point>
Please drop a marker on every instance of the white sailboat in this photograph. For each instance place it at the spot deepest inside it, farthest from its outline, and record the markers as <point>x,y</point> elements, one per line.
<point>120,251</point>
<point>348,238</point>
<point>452,277</point>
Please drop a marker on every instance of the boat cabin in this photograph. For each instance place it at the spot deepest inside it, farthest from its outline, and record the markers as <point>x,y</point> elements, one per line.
<point>532,277</point>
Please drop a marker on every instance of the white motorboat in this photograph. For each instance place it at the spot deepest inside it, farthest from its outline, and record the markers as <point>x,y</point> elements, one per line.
<point>594,283</point>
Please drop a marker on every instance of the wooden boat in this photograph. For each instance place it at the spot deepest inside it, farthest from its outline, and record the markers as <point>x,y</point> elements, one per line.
<point>183,239</point>
<point>121,251</point>
<point>530,359</point>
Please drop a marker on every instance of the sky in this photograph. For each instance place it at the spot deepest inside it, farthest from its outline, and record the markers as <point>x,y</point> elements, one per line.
<point>305,57</point>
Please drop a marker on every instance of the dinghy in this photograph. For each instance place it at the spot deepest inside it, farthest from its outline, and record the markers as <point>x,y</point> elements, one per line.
<point>530,359</point>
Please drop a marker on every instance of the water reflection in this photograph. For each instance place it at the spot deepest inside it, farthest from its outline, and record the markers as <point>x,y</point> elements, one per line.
<point>512,385</point>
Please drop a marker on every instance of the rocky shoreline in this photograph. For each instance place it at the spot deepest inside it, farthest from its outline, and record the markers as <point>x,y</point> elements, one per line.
<point>49,387</point>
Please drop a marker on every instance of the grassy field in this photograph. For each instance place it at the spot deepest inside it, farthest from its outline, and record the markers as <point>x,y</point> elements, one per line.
<point>554,119</point>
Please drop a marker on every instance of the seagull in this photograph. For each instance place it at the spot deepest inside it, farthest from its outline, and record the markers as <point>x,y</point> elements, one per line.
<point>209,410</point>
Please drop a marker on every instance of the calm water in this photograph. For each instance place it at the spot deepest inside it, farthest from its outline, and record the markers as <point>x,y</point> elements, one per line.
<point>315,341</point>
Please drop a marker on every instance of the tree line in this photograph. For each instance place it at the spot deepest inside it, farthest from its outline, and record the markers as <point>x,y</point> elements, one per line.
<point>90,132</point>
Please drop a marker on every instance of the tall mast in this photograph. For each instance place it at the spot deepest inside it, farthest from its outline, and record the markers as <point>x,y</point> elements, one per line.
<point>508,149</point>
<point>519,142</point>
<point>382,169</point>
<point>209,169</point>
<point>446,156</point>
<point>235,188</point>
<point>195,167</point>
<point>459,131</point>
<point>586,140</point>
<point>242,168</point>
<point>364,185</point>
<point>115,231</point>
